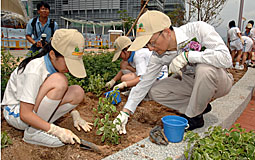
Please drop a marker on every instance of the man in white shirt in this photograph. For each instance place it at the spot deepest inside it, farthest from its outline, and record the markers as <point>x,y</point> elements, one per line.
<point>202,74</point>
<point>133,64</point>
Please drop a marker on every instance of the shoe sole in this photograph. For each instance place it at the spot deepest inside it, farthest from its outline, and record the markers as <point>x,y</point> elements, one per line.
<point>41,144</point>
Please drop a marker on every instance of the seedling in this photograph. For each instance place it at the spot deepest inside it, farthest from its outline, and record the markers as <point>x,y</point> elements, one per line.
<point>104,120</point>
<point>5,140</point>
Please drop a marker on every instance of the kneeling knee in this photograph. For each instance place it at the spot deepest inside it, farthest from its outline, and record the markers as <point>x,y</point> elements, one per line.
<point>77,93</point>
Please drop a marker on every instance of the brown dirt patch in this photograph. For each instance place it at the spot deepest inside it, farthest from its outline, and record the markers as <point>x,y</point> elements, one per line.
<point>147,115</point>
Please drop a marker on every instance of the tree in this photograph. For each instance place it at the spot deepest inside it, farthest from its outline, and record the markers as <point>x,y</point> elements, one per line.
<point>177,15</point>
<point>128,21</point>
<point>199,10</point>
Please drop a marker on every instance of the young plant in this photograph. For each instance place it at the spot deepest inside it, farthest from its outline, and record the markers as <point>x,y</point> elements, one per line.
<point>8,65</point>
<point>96,84</point>
<point>5,140</point>
<point>223,144</point>
<point>104,120</point>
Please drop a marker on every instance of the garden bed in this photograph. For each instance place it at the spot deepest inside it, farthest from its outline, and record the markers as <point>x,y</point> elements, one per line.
<point>147,115</point>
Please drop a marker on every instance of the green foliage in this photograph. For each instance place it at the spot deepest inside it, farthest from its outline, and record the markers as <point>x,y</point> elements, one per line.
<point>177,15</point>
<point>219,143</point>
<point>104,120</point>
<point>96,84</point>
<point>5,140</point>
<point>96,64</point>
<point>8,65</point>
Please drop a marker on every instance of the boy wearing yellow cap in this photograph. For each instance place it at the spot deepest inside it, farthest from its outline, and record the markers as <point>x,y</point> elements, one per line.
<point>202,74</point>
<point>38,94</point>
<point>133,64</point>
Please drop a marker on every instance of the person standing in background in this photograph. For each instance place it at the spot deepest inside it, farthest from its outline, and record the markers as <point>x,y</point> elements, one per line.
<point>235,43</point>
<point>40,27</point>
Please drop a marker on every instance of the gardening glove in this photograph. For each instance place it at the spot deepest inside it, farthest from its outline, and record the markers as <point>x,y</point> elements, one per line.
<point>65,135</point>
<point>121,128</point>
<point>79,122</point>
<point>110,83</point>
<point>177,64</point>
<point>120,86</point>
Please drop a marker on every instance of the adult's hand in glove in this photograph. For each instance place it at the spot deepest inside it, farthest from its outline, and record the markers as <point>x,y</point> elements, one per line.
<point>120,86</point>
<point>178,63</point>
<point>79,122</point>
<point>110,83</point>
<point>65,135</point>
<point>123,117</point>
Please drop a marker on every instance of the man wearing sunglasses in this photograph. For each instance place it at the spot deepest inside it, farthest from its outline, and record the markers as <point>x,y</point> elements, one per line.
<point>133,64</point>
<point>201,75</point>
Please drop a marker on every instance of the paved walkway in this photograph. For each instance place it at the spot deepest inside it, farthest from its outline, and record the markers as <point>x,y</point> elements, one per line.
<point>247,118</point>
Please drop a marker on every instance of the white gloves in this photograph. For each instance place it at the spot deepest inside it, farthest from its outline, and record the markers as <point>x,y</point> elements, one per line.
<point>110,83</point>
<point>177,64</point>
<point>79,122</point>
<point>65,135</point>
<point>120,86</point>
<point>123,122</point>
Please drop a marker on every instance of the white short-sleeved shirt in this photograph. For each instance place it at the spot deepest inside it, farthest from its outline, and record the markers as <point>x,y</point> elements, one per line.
<point>247,44</point>
<point>141,60</point>
<point>25,87</point>
<point>252,34</point>
<point>232,33</point>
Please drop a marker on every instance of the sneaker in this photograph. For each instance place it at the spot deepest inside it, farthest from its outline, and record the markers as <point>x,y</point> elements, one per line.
<point>237,66</point>
<point>195,122</point>
<point>41,138</point>
<point>252,64</point>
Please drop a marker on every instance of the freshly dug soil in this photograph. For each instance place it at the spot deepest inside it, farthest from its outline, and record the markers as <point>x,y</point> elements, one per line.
<point>147,115</point>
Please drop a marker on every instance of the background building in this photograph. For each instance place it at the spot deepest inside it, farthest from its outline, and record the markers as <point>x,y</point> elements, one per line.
<point>170,5</point>
<point>96,11</point>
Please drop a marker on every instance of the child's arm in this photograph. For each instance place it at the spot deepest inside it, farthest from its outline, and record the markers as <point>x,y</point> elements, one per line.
<point>129,67</point>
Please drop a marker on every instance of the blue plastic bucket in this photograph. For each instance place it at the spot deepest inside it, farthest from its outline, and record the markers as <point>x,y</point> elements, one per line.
<point>116,98</point>
<point>174,127</point>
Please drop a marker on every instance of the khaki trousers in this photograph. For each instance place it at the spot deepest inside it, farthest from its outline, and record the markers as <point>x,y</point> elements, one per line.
<point>192,94</point>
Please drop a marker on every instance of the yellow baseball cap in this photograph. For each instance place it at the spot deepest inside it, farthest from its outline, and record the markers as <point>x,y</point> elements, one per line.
<point>149,23</point>
<point>249,26</point>
<point>120,43</point>
<point>70,44</point>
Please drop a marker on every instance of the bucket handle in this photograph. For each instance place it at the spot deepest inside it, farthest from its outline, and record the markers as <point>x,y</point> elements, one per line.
<point>187,126</point>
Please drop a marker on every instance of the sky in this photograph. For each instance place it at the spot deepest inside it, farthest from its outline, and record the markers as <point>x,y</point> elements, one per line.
<point>231,12</point>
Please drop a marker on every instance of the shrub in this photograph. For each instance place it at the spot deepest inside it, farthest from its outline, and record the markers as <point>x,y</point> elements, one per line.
<point>8,65</point>
<point>96,64</point>
<point>219,143</point>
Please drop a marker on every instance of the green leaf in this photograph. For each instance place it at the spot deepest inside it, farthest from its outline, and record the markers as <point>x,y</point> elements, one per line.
<point>98,132</point>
